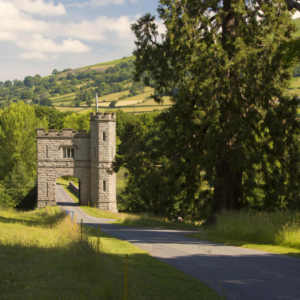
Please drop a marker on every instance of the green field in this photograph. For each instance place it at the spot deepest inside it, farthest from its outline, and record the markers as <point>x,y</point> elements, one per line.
<point>107,64</point>
<point>135,104</point>
<point>63,98</point>
<point>297,23</point>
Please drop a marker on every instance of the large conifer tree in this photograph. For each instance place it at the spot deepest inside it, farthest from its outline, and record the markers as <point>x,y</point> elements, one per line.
<point>222,62</point>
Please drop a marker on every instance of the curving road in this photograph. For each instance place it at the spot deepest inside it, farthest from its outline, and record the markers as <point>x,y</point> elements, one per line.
<point>242,274</point>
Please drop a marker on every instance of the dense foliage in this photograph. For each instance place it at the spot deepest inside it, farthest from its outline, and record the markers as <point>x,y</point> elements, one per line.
<point>232,123</point>
<point>18,125</point>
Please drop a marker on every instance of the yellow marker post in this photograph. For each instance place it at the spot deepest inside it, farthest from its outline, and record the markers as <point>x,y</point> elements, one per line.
<point>98,243</point>
<point>89,204</point>
<point>126,270</point>
<point>81,229</point>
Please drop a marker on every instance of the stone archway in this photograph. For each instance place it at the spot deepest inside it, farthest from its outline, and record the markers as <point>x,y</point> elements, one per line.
<point>72,184</point>
<point>87,156</point>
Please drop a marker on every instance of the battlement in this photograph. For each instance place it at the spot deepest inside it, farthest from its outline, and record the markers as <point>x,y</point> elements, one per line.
<point>64,133</point>
<point>103,117</point>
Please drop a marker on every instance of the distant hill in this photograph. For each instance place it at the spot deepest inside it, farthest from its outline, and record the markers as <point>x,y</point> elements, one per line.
<point>76,89</point>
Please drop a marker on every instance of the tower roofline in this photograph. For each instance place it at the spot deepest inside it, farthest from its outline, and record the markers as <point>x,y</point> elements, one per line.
<point>103,117</point>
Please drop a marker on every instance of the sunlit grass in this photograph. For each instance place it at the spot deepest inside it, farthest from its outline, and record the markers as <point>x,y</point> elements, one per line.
<point>140,220</point>
<point>277,232</point>
<point>42,256</point>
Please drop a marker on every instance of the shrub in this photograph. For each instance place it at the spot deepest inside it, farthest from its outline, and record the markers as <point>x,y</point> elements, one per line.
<point>113,104</point>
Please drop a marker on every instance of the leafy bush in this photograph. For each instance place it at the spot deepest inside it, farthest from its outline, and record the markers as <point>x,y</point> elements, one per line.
<point>113,104</point>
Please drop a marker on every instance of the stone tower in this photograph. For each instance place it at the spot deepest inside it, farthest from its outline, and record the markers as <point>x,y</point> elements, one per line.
<point>103,151</point>
<point>86,156</point>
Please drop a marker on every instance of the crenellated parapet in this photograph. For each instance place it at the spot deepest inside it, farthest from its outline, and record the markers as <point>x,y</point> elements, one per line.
<point>103,117</point>
<point>64,133</point>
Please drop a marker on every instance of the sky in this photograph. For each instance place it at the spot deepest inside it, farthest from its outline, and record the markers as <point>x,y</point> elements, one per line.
<point>37,36</point>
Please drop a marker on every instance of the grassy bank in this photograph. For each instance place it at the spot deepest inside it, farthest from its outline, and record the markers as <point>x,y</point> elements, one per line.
<point>277,232</point>
<point>42,257</point>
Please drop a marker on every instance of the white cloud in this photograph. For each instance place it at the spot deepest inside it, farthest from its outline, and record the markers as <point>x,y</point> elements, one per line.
<point>12,19</point>
<point>296,15</point>
<point>23,25</point>
<point>7,36</point>
<point>40,7</point>
<point>113,30</point>
<point>34,56</point>
<point>95,3</point>
<point>8,10</point>
<point>37,43</point>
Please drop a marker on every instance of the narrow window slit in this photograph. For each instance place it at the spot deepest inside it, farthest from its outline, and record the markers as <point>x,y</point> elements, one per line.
<point>68,152</point>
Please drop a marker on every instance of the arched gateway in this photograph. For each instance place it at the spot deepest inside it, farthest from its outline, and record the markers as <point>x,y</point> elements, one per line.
<point>85,156</point>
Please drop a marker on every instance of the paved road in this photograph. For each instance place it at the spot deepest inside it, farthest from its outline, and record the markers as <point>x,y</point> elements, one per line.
<point>243,274</point>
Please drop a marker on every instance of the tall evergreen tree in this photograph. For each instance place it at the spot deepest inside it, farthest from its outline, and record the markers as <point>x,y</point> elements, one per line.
<point>223,64</point>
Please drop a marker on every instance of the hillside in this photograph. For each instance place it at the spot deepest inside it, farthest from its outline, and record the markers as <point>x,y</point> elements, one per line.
<point>76,89</point>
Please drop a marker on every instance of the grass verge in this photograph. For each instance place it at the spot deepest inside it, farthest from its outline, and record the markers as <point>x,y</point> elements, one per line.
<point>276,232</point>
<point>42,257</point>
<point>141,220</point>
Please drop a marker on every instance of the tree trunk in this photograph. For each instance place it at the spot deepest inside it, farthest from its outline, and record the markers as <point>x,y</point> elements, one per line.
<point>228,183</point>
<point>227,190</point>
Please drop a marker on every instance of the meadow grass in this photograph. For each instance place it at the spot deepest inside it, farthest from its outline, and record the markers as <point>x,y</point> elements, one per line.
<point>62,96</point>
<point>115,62</point>
<point>64,99</point>
<point>72,109</point>
<point>277,232</point>
<point>297,23</point>
<point>42,256</point>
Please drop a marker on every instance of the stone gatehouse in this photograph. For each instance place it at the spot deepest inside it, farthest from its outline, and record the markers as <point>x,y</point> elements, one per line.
<point>87,156</point>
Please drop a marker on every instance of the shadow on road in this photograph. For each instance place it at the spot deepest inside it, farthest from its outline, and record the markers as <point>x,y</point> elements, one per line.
<point>67,204</point>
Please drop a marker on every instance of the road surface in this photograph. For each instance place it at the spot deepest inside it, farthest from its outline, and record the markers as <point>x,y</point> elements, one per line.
<point>242,274</point>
